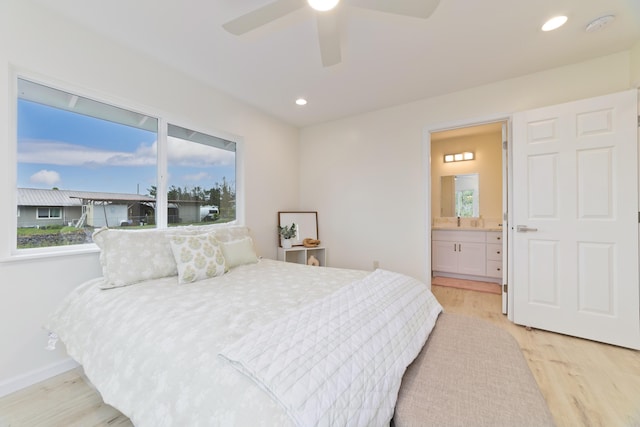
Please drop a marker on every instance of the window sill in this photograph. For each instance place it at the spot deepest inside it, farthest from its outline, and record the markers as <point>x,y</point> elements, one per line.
<point>50,252</point>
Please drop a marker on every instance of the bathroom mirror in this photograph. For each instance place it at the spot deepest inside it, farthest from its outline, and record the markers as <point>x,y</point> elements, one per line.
<point>459,195</point>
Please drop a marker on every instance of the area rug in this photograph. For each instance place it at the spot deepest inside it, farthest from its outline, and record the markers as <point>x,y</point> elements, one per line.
<point>472,285</point>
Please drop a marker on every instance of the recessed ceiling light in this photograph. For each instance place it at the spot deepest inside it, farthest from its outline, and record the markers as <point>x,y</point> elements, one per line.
<point>323,5</point>
<point>598,23</point>
<point>554,23</point>
<point>301,101</point>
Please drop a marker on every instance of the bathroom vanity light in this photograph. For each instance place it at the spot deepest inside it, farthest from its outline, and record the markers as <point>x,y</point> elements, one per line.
<point>459,157</point>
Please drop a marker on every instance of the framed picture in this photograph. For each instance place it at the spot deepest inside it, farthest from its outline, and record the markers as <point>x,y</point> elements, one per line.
<point>306,225</point>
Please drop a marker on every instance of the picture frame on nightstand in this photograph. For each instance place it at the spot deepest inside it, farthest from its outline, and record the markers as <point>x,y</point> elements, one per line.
<point>306,225</point>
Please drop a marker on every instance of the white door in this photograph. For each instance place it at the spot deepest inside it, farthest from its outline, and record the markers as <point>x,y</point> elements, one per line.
<point>575,219</point>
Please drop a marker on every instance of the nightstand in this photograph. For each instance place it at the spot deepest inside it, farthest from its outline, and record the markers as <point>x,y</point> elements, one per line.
<point>300,254</point>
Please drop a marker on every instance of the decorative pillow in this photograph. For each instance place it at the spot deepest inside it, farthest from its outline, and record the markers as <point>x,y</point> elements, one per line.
<point>222,232</point>
<point>131,256</point>
<point>208,228</point>
<point>227,234</point>
<point>239,252</point>
<point>197,257</point>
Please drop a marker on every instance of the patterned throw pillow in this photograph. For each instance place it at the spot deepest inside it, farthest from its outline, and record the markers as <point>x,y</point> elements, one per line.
<point>197,257</point>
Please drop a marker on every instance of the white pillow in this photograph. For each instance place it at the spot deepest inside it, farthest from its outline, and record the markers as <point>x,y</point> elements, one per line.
<point>197,257</point>
<point>132,256</point>
<point>227,234</point>
<point>239,252</point>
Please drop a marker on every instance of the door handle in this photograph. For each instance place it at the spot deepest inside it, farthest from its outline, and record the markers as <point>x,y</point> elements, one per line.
<point>524,229</point>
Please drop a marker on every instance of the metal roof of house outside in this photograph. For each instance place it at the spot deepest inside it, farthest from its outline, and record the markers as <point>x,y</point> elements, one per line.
<point>44,197</point>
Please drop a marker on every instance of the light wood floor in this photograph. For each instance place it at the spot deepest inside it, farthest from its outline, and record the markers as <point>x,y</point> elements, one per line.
<point>585,383</point>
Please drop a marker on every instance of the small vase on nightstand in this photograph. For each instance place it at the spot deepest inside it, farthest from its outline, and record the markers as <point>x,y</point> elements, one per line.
<point>286,243</point>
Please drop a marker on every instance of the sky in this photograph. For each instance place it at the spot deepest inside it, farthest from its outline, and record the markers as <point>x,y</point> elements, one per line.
<point>57,148</point>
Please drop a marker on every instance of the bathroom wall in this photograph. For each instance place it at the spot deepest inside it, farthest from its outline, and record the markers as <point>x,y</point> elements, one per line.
<point>487,147</point>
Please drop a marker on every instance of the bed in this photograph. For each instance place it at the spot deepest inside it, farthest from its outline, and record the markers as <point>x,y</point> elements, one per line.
<point>187,326</point>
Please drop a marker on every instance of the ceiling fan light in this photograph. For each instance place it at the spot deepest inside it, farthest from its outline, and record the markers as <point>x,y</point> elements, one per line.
<point>323,5</point>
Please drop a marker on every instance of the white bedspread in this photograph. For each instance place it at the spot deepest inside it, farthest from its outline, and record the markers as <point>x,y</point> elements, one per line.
<point>151,349</point>
<point>339,361</point>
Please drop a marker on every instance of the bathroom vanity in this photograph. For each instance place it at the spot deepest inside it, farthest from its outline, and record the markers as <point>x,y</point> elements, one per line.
<point>467,253</point>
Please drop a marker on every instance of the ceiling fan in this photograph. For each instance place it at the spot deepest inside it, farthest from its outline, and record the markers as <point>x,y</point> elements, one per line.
<point>327,20</point>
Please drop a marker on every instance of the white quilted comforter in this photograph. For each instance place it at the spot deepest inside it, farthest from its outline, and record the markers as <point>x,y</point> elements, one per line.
<point>152,349</point>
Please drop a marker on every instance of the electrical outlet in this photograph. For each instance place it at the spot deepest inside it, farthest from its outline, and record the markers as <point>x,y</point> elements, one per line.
<point>376,265</point>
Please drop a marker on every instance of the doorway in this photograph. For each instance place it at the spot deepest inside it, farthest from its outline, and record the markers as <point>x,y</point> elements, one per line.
<point>468,246</point>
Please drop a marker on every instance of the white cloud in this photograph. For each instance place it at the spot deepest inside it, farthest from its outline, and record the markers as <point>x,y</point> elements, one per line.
<point>179,152</point>
<point>197,177</point>
<point>65,154</point>
<point>49,178</point>
<point>185,153</point>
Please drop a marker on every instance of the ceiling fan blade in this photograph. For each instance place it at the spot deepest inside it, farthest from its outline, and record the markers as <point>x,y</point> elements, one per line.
<point>415,8</point>
<point>261,16</point>
<point>329,37</point>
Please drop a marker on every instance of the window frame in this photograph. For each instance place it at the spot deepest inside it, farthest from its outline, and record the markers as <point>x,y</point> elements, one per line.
<point>49,209</point>
<point>11,252</point>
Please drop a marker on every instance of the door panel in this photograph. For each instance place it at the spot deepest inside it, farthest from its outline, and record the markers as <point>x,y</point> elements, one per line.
<point>543,186</point>
<point>575,176</point>
<point>595,175</point>
<point>543,282</point>
<point>595,281</point>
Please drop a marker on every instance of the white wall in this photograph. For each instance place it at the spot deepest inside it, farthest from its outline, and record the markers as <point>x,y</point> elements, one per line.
<point>37,41</point>
<point>635,65</point>
<point>366,175</point>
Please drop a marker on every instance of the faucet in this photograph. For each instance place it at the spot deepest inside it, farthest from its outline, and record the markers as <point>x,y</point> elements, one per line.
<point>458,221</point>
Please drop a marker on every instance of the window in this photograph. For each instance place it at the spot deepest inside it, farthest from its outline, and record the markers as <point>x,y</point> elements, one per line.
<point>465,203</point>
<point>43,213</point>
<point>83,164</point>
<point>202,177</point>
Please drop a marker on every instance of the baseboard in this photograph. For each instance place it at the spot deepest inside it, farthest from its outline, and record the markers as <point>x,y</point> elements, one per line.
<point>25,380</point>
<point>467,277</point>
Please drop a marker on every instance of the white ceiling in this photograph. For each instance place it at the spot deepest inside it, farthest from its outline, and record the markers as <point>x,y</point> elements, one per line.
<point>386,59</point>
